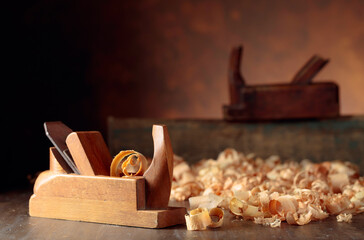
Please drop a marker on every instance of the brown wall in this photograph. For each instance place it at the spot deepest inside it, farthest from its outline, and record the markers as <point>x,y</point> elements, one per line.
<point>169,58</point>
<point>81,61</point>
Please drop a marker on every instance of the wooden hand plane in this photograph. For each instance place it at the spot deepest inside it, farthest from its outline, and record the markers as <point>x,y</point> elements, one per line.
<point>301,99</point>
<point>140,201</point>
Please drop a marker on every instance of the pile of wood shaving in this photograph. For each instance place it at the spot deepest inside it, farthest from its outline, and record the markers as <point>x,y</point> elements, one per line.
<point>268,191</point>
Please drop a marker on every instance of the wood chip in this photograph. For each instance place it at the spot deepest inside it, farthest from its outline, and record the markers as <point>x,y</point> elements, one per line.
<point>271,191</point>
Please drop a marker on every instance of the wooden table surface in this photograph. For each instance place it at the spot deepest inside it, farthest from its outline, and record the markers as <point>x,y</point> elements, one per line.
<point>15,223</point>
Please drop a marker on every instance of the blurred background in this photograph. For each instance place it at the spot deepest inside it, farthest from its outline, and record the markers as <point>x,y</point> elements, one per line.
<point>82,61</point>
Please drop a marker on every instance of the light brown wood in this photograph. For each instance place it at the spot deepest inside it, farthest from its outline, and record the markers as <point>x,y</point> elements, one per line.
<point>104,199</point>
<point>128,192</point>
<point>100,199</point>
<point>54,157</point>
<point>108,212</point>
<point>89,152</point>
<point>160,173</point>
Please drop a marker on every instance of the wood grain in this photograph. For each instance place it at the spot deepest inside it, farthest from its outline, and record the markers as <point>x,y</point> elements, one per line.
<point>90,153</point>
<point>160,173</point>
<point>54,159</point>
<point>235,77</point>
<point>108,212</point>
<point>309,70</point>
<point>110,200</point>
<point>129,192</point>
<point>299,100</point>
<point>285,101</point>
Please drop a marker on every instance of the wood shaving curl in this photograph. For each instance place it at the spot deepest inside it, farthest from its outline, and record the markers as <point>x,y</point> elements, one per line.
<point>201,218</point>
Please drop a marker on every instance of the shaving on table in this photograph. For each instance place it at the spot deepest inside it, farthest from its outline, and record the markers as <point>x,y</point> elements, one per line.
<point>268,191</point>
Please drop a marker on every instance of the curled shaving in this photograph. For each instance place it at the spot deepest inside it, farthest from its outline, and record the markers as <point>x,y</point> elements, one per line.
<point>217,217</point>
<point>128,163</point>
<point>201,218</point>
<point>206,201</point>
<point>269,191</point>
<point>198,219</point>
